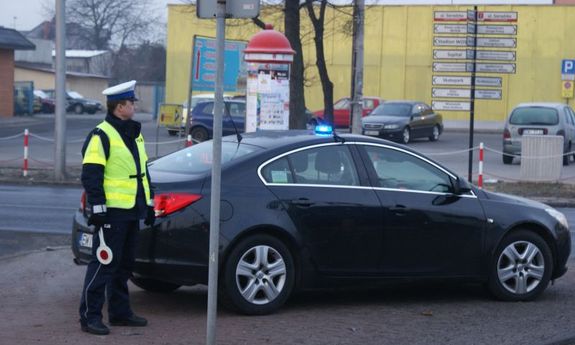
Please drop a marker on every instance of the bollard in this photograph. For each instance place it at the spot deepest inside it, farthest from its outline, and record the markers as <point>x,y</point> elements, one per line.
<point>189,141</point>
<point>480,177</point>
<point>25,169</point>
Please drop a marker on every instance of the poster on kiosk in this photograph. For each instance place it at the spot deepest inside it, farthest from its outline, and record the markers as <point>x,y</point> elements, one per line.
<point>268,56</point>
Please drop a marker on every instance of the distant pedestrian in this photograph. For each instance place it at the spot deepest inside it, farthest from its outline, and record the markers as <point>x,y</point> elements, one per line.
<point>117,184</point>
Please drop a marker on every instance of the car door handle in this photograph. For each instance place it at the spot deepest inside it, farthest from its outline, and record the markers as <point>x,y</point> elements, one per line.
<point>399,210</point>
<point>302,202</point>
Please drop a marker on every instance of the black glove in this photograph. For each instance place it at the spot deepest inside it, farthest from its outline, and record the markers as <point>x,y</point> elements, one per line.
<point>98,219</point>
<point>150,216</point>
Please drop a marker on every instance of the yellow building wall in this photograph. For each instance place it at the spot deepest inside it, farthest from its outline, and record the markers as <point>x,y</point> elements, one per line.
<point>398,53</point>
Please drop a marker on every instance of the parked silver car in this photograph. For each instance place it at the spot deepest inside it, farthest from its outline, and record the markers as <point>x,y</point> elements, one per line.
<point>538,119</point>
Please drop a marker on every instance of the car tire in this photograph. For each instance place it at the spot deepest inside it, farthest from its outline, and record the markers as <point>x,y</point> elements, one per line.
<point>78,109</point>
<point>567,156</point>
<point>435,135</point>
<point>199,134</point>
<point>259,275</point>
<point>521,268</point>
<point>507,158</point>
<point>153,285</point>
<point>405,136</point>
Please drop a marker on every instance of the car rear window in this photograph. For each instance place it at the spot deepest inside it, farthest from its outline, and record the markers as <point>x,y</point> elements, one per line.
<point>393,109</point>
<point>534,116</point>
<point>197,159</point>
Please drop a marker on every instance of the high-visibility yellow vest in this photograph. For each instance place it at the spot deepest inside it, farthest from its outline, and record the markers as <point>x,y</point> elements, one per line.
<point>120,172</point>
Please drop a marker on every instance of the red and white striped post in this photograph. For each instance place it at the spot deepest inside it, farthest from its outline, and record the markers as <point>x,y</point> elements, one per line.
<point>480,177</point>
<point>189,141</point>
<point>25,170</point>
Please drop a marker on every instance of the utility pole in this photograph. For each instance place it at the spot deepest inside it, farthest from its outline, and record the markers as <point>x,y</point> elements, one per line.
<point>357,66</point>
<point>60,119</point>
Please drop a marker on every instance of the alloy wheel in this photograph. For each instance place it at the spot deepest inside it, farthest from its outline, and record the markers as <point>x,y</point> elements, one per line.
<point>261,274</point>
<point>520,267</point>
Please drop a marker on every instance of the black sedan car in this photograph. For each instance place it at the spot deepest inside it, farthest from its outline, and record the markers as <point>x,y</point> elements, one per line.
<point>403,121</point>
<point>77,103</point>
<point>301,210</point>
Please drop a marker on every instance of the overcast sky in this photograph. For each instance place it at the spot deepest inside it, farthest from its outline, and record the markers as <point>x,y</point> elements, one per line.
<point>26,14</point>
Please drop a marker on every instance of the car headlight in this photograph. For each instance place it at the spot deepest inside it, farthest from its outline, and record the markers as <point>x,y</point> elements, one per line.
<point>391,126</point>
<point>560,217</point>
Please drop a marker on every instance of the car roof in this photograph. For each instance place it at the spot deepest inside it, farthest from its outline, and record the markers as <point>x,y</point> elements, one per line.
<point>541,104</point>
<point>403,101</point>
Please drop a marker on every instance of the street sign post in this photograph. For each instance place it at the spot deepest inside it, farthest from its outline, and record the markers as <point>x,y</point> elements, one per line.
<point>452,67</point>
<point>450,93</point>
<point>451,80</point>
<point>568,69</point>
<point>567,89</point>
<point>451,106</point>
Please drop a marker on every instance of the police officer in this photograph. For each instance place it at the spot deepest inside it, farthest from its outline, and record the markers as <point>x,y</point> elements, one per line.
<point>117,185</point>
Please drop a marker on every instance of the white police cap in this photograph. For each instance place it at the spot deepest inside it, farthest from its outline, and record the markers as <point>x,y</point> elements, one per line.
<point>121,92</point>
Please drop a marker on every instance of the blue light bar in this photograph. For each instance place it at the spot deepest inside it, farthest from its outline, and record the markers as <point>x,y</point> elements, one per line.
<point>323,130</point>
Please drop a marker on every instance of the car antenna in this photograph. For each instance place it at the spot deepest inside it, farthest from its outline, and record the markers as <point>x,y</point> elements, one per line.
<point>337,138</point>
<point>238,135</point>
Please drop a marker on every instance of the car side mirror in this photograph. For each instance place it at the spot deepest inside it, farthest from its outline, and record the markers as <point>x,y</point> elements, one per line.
<point>460,186</point>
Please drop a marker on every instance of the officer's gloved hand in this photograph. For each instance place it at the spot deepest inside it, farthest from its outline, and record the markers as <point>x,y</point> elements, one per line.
<point>150,216</point>
<point>98,217</point>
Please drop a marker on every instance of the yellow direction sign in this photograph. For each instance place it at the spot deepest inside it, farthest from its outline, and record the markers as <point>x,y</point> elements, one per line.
<point>170,114</point>
<point>567,89</point>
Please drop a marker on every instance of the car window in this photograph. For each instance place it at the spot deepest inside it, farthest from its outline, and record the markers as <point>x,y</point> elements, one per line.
<point>237,109</point>
<point>207,108</point>
<point>570,115</point>
<point>417,109</point>
<point>368,104</point>
<point>278,172</point>
<point>75,95</point>
<point>400,170</point>
<point>427,109</point>
<point>534,116</point>
<point>392,109</point>
<point>198,158</point>
<point>341,104</point>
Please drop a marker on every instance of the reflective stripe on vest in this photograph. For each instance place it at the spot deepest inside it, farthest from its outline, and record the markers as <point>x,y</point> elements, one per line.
<point>120,173</point>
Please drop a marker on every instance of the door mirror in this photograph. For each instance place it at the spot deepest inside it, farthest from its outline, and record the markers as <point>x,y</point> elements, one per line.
<point>460,186</point>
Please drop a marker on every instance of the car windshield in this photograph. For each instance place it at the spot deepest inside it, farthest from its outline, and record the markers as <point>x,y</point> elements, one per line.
<point>534,116</point>
<point>393,109</point>
<point>197,159</point>
<point>75,95</point>
<point>40,93</point>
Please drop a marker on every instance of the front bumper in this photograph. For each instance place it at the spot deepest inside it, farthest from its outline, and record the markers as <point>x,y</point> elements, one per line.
<point>390,134</point>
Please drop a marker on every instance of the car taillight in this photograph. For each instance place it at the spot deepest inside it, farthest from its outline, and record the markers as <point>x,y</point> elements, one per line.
<point>83,202</point>
<point>506,134</point>
<point>167,203</point>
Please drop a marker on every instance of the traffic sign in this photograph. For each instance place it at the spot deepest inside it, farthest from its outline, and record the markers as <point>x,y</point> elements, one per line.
<point>567,89</point>
<point>451,41</point>
<point>497,29</point>
<point>450,16</point>
<point>488,81</point>
<point>444,54</point>
<point>452,67</point>
<point>495,67</point>
<point>495,55</point>
<point>496,42</point>
<point>485,16</point>
<point>450,28</point>
<point>451,106</point>
<point>487,94</point>
<point>568,69</point>
<point>450,93</point>
<point>451,80</point>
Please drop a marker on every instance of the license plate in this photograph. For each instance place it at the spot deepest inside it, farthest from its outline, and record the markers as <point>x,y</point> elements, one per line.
<point>532,132</point>
<point>85,240</point>
<point>371,132</point>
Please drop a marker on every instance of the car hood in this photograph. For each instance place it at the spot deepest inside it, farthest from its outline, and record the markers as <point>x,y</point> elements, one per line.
<point>385,119</point>
<point>513,199</point>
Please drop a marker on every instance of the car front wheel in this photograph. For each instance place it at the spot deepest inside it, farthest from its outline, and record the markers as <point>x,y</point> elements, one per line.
<point>435,134</point>
<point>521,268</point>
<point>78,109</point>
<point>259,275</point>
<point>199,134</point>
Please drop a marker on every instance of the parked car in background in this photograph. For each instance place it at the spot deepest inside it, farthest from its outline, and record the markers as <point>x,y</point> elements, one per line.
<point>175,130</point>
<point>43,103</point>
<point>304,211</point>
<point>403,121</point>
<point>342,110</point>
<point>538,119</point>
<point>201,128</point>
<point>77,103</point>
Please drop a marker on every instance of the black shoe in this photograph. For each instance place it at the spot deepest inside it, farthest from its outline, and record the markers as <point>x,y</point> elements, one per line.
<point>132,321</point>
<point>95,327</point>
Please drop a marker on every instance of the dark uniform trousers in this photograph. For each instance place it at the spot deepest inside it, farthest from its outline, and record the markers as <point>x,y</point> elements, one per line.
<point>121,237</point>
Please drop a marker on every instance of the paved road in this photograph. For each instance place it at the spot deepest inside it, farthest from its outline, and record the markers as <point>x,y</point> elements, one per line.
<point>450,150</point>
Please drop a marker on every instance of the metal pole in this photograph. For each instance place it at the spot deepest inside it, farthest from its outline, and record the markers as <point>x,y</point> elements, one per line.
<point>472,101</point>
<point>216,175</point>
<point>60,118</point>
<point>357,87</point>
